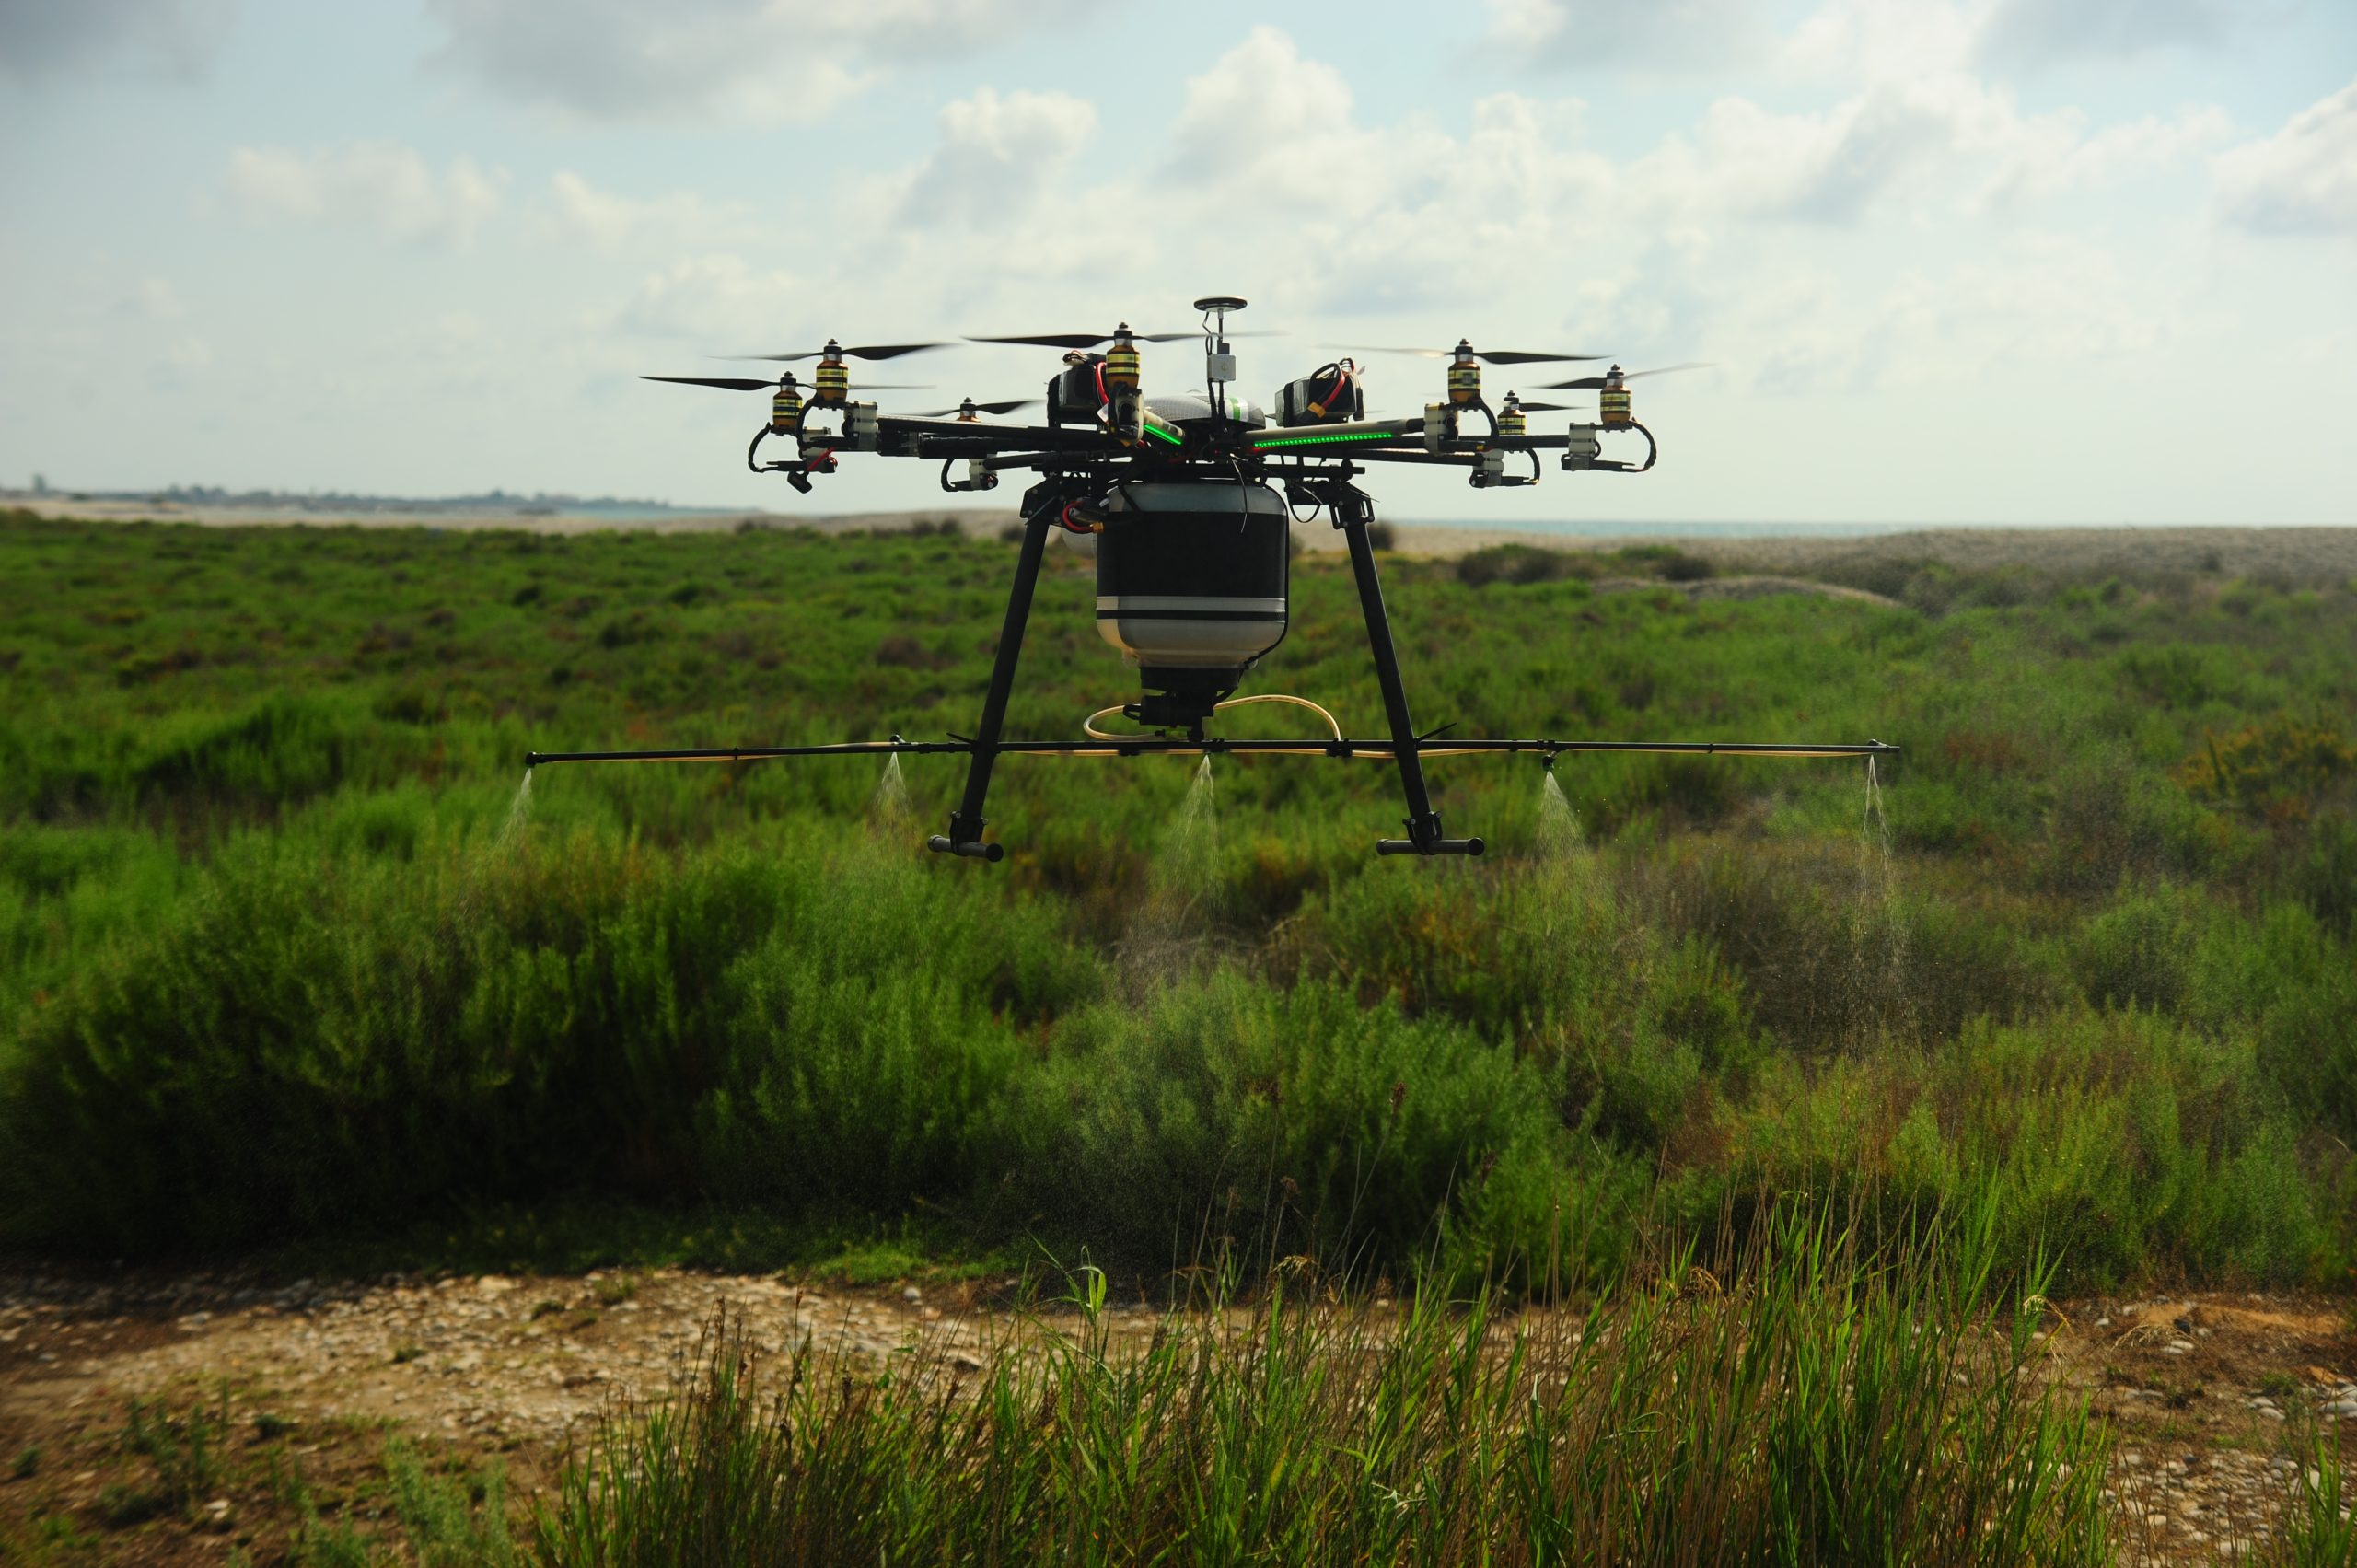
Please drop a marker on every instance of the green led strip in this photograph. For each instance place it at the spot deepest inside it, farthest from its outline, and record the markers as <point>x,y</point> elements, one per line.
<point>1154,429</point>
<point>1322,440</point>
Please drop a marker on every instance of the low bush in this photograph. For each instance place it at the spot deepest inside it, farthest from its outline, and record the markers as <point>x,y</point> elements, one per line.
<point>305,1045</point>
<point>1520,564</point>
<point>2114,1143</point>
<point>1227,1117</point>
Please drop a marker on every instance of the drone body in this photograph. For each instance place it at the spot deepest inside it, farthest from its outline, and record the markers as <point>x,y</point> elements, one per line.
<point>1187,501</point>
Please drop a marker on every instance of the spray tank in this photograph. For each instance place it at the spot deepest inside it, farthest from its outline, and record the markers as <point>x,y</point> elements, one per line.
<point>1192,577</point>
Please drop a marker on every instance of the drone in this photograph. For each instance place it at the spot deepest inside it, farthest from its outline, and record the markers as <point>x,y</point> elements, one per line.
<point>1185,501</point>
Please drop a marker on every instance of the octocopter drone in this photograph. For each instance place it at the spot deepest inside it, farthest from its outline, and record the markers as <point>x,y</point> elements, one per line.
<point>1185,500</point>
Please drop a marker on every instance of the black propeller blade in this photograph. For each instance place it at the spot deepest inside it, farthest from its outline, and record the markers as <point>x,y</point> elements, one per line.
<point>725,383</point>
<point>745,384</point>
<point>1545,408</point>
<point>1592,382</point>
<point>865,350</point>
<point>1086,340</point>
<point>1009,406</point>
<point>1089,340</point>
<point>1487,357</point>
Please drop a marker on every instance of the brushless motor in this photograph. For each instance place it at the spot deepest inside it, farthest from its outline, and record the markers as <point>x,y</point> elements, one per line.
<point>1613,401</point>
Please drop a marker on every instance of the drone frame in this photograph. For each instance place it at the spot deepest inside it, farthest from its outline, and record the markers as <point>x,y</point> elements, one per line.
<point>1081,464</point>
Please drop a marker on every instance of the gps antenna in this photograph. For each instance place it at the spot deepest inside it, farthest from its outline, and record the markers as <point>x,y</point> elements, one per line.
<point>1219,360</point>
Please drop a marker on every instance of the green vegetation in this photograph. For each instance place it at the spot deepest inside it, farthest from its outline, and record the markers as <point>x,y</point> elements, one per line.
<point>1825,1409</point>
<point>185,1450</point>
<point>284,957</point>
<point>2315,1530</point>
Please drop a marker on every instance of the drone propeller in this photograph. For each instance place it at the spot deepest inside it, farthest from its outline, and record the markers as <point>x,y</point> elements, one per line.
<point>1086,340</point>
<point>865,350</point>
<point>970,407</point>
<point>746,384</point>
<point>1488,356</point>
<point>1591,383</point>
<point>1090,340</point>
<point>1545,408</point>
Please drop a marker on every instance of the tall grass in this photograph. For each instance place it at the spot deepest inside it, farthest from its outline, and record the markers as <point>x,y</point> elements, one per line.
<point>2315,1530</point>
<point>1823,1405</point>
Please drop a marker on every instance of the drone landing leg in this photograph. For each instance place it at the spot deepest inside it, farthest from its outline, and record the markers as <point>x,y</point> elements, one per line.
<point>1424,835</point>
<point>966,823</point>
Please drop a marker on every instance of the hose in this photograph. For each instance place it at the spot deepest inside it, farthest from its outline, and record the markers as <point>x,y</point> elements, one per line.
<point>1088,725</point>
<point>1282,697</point>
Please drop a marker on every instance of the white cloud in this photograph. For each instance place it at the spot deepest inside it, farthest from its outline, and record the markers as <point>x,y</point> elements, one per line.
<point>1268,128</point>
<point>718,301</point>
<point>1260,102</point>
<point>1680,34</point>
<point>995,156</point>
<point>1873,40</point>
<point>2302,179</point>
<point>150,299</point>
<point>2048,155</point>
<point>1889,41</point>
<point>45,38</point>
<point>2006,317</point>
<point>760,62</point>
<point>2035,32</point>
<point>581,211</point>
<point>379,185</point>
<point>1823,168</point>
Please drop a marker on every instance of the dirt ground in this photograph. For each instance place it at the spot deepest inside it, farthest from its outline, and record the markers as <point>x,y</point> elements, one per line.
<point>2200,1392</point>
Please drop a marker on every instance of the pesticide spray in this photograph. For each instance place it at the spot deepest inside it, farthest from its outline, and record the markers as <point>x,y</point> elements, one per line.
<point>1878,937</point>
<point>1176,921</point>
<point>518,814</point>
<point>889,809</point>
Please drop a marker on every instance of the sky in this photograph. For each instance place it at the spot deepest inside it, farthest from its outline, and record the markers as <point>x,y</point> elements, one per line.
<point>1994,261</point>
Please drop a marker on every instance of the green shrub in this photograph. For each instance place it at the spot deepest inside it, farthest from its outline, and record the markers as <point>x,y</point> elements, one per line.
<point>2276,768</point>
<point>1519,563</point>
<point>303,1045</point>
<point>2136,953</point>
<point>1226,1114</point>
<point>2119,1145</point>
<point>2325,876</point>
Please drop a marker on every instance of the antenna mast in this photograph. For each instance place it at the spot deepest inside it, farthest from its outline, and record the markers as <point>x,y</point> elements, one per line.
<point>1219,360</point>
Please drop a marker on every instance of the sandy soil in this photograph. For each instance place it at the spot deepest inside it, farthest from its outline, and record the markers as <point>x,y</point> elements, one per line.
<point>2200,1392</point>
<point>2305,554</point>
